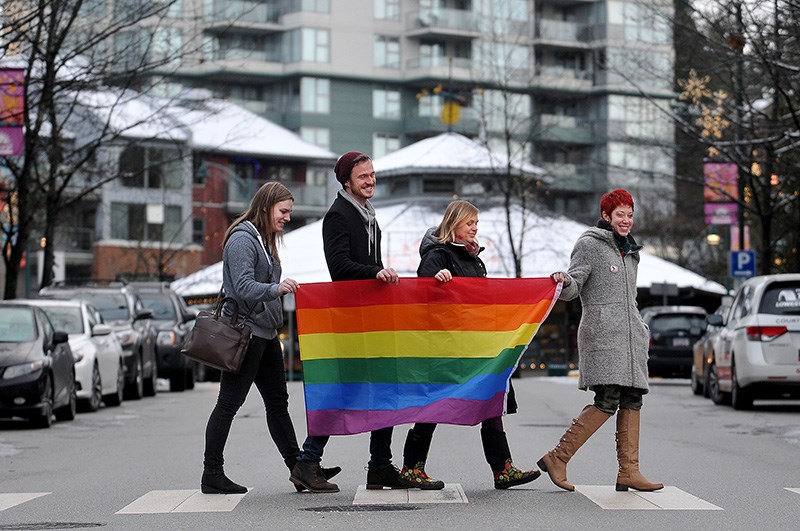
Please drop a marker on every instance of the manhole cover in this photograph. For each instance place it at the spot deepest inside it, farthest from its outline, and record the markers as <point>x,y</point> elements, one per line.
<point>361,508</point>
<point>49,525</point>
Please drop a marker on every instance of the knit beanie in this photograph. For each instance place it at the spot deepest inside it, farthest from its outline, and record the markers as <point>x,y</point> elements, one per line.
<point>344,166</point>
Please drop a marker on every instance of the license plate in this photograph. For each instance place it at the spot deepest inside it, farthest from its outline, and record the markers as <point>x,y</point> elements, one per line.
<point>680,342</point>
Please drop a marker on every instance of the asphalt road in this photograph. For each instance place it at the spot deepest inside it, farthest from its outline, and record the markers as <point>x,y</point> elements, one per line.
<point>737,466</point>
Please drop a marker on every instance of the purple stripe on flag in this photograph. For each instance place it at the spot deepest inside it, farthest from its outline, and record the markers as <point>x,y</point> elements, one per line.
<point>461,411</point>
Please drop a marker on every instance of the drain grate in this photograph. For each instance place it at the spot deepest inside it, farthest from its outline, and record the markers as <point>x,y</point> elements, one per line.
<point>361,508</point>
<point>49,525</point>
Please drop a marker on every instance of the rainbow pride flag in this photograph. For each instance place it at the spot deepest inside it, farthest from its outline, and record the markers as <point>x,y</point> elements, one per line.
<point>378,355</point>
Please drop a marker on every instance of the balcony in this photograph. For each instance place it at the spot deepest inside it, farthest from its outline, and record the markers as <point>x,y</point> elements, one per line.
<point>562,78</point>
<point>564,129</point>
<point>440,68</point>
<point>561,33</point>
<point>242,15</point>
<point>429,22</point>
<point>307,198</point>
<point>568,176</point>
<point>469,124</point>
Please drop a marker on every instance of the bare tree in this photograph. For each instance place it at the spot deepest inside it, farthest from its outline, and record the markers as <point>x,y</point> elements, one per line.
<point>71,52</point>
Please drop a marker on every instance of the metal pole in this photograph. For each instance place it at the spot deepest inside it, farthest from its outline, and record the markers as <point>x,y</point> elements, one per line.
<point>742,162</point>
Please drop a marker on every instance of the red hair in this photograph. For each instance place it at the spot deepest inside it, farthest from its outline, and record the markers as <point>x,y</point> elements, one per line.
<point>614,199</point>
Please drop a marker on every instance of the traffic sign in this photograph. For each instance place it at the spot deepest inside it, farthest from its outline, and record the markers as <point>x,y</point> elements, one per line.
<point>742,264</point>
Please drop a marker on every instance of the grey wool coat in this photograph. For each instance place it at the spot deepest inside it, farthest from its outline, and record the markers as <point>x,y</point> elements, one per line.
<point>612,338</point>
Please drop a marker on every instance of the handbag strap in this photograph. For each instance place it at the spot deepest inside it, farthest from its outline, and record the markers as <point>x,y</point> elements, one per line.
<point>221,302</point>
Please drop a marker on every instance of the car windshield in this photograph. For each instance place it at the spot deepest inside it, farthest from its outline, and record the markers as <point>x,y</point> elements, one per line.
<point>66,319</point>
<point>781,298</point>
<point>16,325</point>
<point>161,305</point>
<point>675,321</point>
<point>112,306</point>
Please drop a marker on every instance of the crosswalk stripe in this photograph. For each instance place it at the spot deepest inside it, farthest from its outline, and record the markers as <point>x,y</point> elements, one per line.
<point>182,501</point>
<point>793,489</point>
<point>668,498</point>
<point>451,493</point>
<point>10,499</point>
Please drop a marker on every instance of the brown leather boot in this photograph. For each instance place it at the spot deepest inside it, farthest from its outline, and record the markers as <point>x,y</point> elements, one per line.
<point>628,453</point>
<point>583,427</point>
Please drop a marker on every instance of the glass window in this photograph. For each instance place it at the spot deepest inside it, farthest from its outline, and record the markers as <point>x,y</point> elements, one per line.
<point>387,52</point>
<point>150,167</point>
<point>383,144</point>
<point>112,306</point>
<point>315,95</point>
<point>387,9</point>
<point>386,103</point>
<point>198,231</point>
<point>319,136</point>
<point>161,305</point>
<point>16,325</point>
<point>781,298</point>
<point>316,6</point>
<point>316,45</point>
<point>138,222</point>
<point>66,319</point>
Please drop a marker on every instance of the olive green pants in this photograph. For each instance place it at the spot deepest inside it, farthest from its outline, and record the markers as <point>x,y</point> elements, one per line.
<point>607,398</point>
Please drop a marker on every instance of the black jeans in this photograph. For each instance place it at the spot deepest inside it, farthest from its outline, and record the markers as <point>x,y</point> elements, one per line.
<point>380,448</point>
<point>263,365</point>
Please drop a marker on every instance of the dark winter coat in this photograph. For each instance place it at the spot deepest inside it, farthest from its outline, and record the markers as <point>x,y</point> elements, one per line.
<point>250,275</point>
<point>436,256</point>
<point>346,243</point>
<point>613,340</point>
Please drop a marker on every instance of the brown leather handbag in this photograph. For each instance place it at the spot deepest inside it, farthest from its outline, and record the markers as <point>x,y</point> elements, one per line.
<point>216,341</point>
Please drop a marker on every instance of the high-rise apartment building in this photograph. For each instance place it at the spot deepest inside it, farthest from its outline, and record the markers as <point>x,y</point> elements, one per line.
<point>577,87</point>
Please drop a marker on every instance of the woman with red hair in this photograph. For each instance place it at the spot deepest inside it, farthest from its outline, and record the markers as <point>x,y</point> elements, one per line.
<point>612,342</point>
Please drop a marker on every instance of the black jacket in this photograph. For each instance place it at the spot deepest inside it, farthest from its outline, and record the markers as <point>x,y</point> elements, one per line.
<point>455,258</point>
<point>346,244</point>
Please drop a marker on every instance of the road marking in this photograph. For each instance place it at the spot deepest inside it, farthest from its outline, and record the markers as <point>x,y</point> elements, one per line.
<point>451,493</point>
<point>10,499</point>
<point>182,501</point>
<point>792,489</point>
<point>668,498</point>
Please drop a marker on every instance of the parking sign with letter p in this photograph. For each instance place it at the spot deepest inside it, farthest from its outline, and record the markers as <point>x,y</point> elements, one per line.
<point>742,264</point>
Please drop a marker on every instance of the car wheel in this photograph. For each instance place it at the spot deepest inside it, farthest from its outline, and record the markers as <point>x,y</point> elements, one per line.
<point>151,384</point>
<point>190,377</point>
<point>740,398</point>
<point>69,411</point>
<point>135,390</point>
<point>697,387</point>
<point>717,396</point>
<point>115,398</point>
<point>93,402</point>
<point>177,381</point>
<point>706,381</point>
<point>45,420</point>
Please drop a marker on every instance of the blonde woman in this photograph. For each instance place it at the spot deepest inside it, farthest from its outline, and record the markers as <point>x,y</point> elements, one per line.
<point>447,251</point>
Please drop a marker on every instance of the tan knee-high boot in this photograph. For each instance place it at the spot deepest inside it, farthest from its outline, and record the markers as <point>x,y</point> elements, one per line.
<point>628,453</point>
<point>583,427</point>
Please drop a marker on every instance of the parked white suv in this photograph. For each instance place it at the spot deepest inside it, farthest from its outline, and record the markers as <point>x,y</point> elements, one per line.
<point>760,340</point>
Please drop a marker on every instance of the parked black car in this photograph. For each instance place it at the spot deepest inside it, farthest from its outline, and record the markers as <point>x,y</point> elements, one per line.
<point>37,367</point>
<point>122,308</point>
<point>673,332</point>
<point>172,320</point>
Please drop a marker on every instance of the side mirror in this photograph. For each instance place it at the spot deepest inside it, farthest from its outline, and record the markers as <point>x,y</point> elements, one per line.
<point>143,314</point>
<point>714,319</point>
<point>188,317</point>
<point>60,337</point>
<point>101,329</point>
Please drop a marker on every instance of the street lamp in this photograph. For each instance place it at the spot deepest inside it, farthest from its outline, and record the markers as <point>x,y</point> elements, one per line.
<point>713,238</point>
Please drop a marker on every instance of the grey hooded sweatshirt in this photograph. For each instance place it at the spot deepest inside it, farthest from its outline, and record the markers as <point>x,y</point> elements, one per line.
<point>613,340</point>
<point>251,276</point>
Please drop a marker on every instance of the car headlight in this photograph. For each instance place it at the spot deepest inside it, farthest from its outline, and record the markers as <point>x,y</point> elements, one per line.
<point>166,338</point>
<point>16,371</point>
<point>126,337</point>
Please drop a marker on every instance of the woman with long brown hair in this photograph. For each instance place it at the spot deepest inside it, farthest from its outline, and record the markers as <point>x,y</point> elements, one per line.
<point>252,277</point>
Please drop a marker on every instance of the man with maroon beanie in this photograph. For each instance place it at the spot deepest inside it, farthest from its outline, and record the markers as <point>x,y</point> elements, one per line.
<point>352,242</point>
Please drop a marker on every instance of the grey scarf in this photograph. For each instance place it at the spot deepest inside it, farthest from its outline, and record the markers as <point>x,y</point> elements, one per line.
<point>367,213</point>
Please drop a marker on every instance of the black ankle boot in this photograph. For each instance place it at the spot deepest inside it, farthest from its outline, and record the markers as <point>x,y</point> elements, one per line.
<point>216,482</point>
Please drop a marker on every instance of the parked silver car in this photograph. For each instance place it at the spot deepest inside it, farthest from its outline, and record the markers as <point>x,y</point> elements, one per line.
<point>760,342</point>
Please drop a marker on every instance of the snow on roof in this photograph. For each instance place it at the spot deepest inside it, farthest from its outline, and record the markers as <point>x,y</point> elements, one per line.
<point>132,115</point>
<point>221,126</point>
<point>447,153</point>
<point>547,247</point>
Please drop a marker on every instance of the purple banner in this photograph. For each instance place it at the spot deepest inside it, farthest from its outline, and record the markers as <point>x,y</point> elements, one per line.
<point>720,182</point>
<point>12,141</point>
<point>721,213</point>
